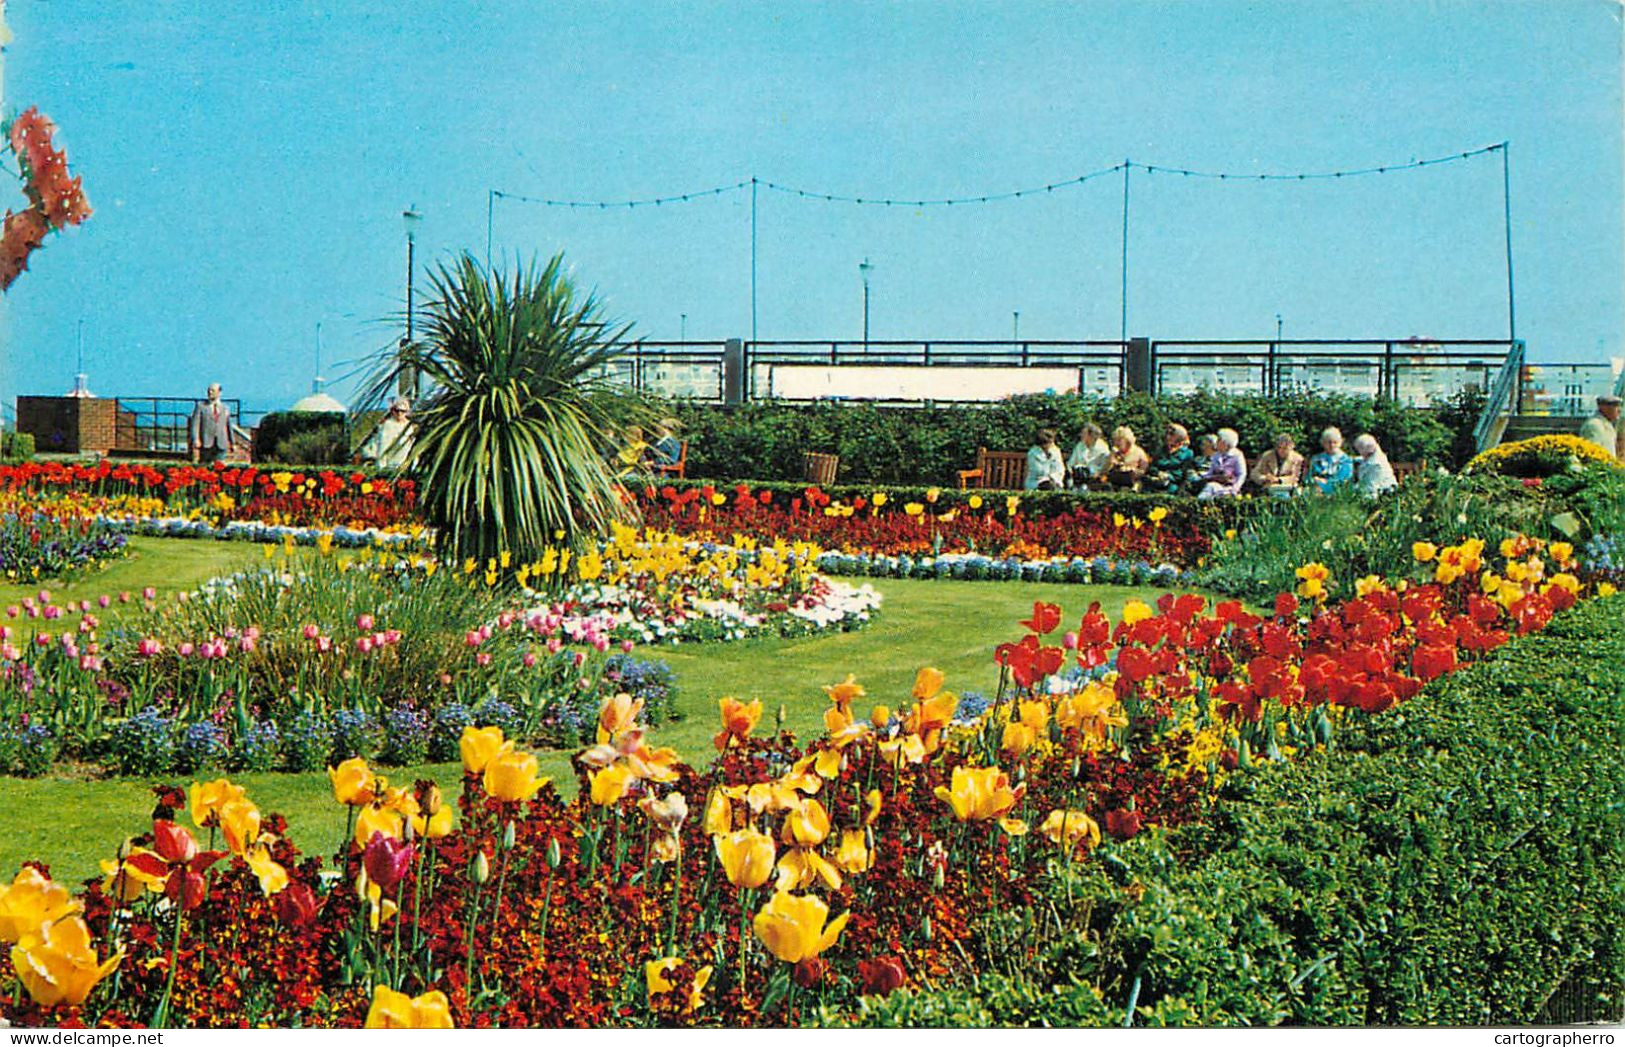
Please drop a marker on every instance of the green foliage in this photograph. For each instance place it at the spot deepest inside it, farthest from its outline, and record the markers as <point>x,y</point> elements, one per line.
<point>929,444</point>
<point>17,446</point>
<point>278,426</point>
<point>325,446</point>
<point>1596,496</point>
<point>510,434</point>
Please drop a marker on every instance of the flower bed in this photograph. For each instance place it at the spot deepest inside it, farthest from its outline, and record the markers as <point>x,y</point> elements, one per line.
<point>953,850</point>
<point>972,567</point>
<point>324,498</point>
<point>885,522</point>
<point>36,544</point>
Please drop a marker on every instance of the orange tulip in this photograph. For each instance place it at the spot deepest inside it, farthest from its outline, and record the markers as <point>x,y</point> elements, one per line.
<point>843,694</point>
<point>738,719</point>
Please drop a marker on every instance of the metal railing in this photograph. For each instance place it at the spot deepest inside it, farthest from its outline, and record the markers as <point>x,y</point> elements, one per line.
<point>762,361</point>
<point>1412,371</point>
<point>1566,390</point>
<point>158,424</point>
<point>1501,398</point>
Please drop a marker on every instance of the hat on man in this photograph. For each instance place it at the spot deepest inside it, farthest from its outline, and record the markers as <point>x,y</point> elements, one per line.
<point>1609,400</point>
<point>400,403</point>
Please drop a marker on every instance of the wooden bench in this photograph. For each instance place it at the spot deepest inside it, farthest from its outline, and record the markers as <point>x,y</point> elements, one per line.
<point>678,468</point>
<point>998,470</point>
<point>820,468</point>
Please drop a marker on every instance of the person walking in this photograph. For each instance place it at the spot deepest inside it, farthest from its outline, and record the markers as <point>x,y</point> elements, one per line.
<point>1603,428</point>
<point>208,436</point>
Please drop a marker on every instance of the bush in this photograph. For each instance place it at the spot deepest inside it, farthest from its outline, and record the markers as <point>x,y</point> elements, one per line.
<point>406,737</point>
<point>258,748</point>
<point>329,445</point>
<point>202,747</point>
<point>308,742</point>
<point>278,426</point>
<point>449,721</point>
<point>929,444</point>
<point>17,446</point>
<point>356,733</point>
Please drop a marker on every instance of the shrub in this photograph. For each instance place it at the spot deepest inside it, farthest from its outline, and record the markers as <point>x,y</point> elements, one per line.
<point>36,750</point>
<point>926,445</point>
<point>17,446</point>
<point>650,679</point>
<point>278,426</point>
<point>329,445</point>
<point>355,733</point>
<point>449,721</point>
<point>144,744</point>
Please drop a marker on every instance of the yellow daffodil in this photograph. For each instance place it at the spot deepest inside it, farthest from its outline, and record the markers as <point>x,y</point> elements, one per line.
<point>60,965</point>
<point>746,857</point>
<point>396,1010</point>
<point>793,927</point>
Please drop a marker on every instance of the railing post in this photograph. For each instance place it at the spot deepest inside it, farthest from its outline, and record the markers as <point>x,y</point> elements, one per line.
<point>1390,378</point>
<point>1272,376</point>
<point>1137,373</point>
<point>734,371</point>
<point>925,354</point>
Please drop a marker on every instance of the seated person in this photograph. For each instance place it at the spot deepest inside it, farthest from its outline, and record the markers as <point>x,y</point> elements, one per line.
<point>1226,470</point>
<point>1046,471</point>
<point>1128,463</point>
<point>1279,471</point>
<point>1331,468</point>
<point>667,448</point>
<point>1372,472</point>
<point>1169,473</point>
<point>1087,462</point>
<point>630,455</point>
<point>1206,448</point>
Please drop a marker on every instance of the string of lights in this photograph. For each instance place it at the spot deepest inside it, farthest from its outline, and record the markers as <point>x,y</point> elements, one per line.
<point>995,197</point>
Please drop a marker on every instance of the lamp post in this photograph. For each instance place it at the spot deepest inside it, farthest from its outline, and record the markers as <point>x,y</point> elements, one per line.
<point>410,218</point>
<point>863,271</point>
<point>682,327</point>
<point>1015,326</point>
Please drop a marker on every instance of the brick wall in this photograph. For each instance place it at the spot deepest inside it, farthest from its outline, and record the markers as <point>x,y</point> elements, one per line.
<point>68,424</point>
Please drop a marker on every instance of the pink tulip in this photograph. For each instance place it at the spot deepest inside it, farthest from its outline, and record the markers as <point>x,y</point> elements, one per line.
<point>9,652</point>
<point>87,624</point>
<point>485,633</point>
<point>363,644</point>
<point>1070,642</point>
<point>84,606</point>
<point>483,658</point>
<point>386,860</point>
<point>324,644</point>
<point>472,638</point>
<point>627,645</point>
<point>149,647</point>
<point>5,632</point>
<point>364,623</point>
<point>312,631</point>
<point>185,650</point>
<point>252,632</point>
<point>124,597</point>
<point>90,663</point>
<point>529,659</point>
<point>53,612</point>
<point>104,601</point>
<point>578,657</point>
<point>554,645</point>
<point>246,643</point>
<point>582,683</point>
<point>149,593</point>
<point>392,636</point>
<point>13,611</point>
<point>445,679</point>
<point>45,596</point>
<point>380,640</point>
<point>42,639</point>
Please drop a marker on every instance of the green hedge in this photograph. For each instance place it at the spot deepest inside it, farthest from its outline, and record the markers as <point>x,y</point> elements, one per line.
<point>1459,860</point>
<point>277,426</point>
<point>929,444</point>
<point>17,446</point>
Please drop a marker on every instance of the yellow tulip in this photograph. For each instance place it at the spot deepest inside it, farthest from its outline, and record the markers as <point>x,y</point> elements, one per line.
<point>206,800</point>
<point>619,713</point>
<point>854,855</point>
<point>435,826</point>
<point>1135,611</point>
<point>610,784</point>
<point>240,821</point>
<point>1424,552</point>
<point>874,807</point>
<point>1560,552</point>
<point>746,856</point>
<point>801,867</point>
<point>843,694</point>
<point>979,793</point>
<point>668,814</point>
<point>60,966</point>
<point>927,683</point>
<point>396,1010</point>
<point>1068,828</point>
<point>880,716</point>
<point>30,903</point>
<point>719,814</point>
<point>513,776</point>
<point>1018,738</point>
<point>481,745</point>
<point>792,927</point>
<point>272,876</point>
<point>657,975</point>
<point>738,720</point>
<point>806,825</point>
<point>354,784</point>
<point>1159,514</point>
<point>907,748</point>
<point>374,819</point>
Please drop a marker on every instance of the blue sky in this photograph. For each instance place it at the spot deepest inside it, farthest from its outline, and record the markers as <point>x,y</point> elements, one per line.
<point>249,164</point>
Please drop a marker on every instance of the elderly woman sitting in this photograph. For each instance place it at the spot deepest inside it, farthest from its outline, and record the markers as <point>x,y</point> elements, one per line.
<point>1128,463</point>
<point>1087,462</point>
<point>1372,472</point>
<point>1331,468</point>
<point>1226,470</point>
<point>1170,472</point>
<point>1046,470</point>
<point>1279,471</point>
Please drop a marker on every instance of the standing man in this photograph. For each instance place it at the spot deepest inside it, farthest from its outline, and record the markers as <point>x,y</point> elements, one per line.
<point>390,445</point>
<point>209,434</point>
<point>1603,428</point>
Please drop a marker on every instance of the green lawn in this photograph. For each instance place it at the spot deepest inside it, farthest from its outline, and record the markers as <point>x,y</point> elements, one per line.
<point>70,822</point>
<point>167,564</point>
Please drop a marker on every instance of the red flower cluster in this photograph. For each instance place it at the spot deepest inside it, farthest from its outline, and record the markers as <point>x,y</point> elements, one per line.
<point>56,199</point>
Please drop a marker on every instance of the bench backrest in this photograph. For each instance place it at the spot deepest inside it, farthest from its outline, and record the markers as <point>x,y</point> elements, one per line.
<point>820,468</point>
<point>1003,470</point>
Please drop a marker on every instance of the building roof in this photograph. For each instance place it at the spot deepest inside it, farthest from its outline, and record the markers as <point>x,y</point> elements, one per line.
<point>318,402</point>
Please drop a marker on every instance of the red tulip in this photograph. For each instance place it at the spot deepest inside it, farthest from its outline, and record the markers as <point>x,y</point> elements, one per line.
<point>296,905</point>
<point>880,977</point>
<point>386,860</point>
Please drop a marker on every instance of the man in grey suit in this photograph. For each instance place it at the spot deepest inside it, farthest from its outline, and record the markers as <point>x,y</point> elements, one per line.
<point>209,434</point>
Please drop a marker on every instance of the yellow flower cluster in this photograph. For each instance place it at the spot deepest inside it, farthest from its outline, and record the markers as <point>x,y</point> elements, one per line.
<point>1546,446</point>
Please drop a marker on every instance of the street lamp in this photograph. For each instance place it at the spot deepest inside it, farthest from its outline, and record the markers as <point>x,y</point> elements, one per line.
<point>410,218</point>
<point>863,271</point>
<point>682,327</point>
<point>1015,326</point>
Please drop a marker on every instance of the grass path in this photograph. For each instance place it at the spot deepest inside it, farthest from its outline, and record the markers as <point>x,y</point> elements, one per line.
<point>70,822</point>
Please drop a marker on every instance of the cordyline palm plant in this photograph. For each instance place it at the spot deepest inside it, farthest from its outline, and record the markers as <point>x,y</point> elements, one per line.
<point>517,403</point>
